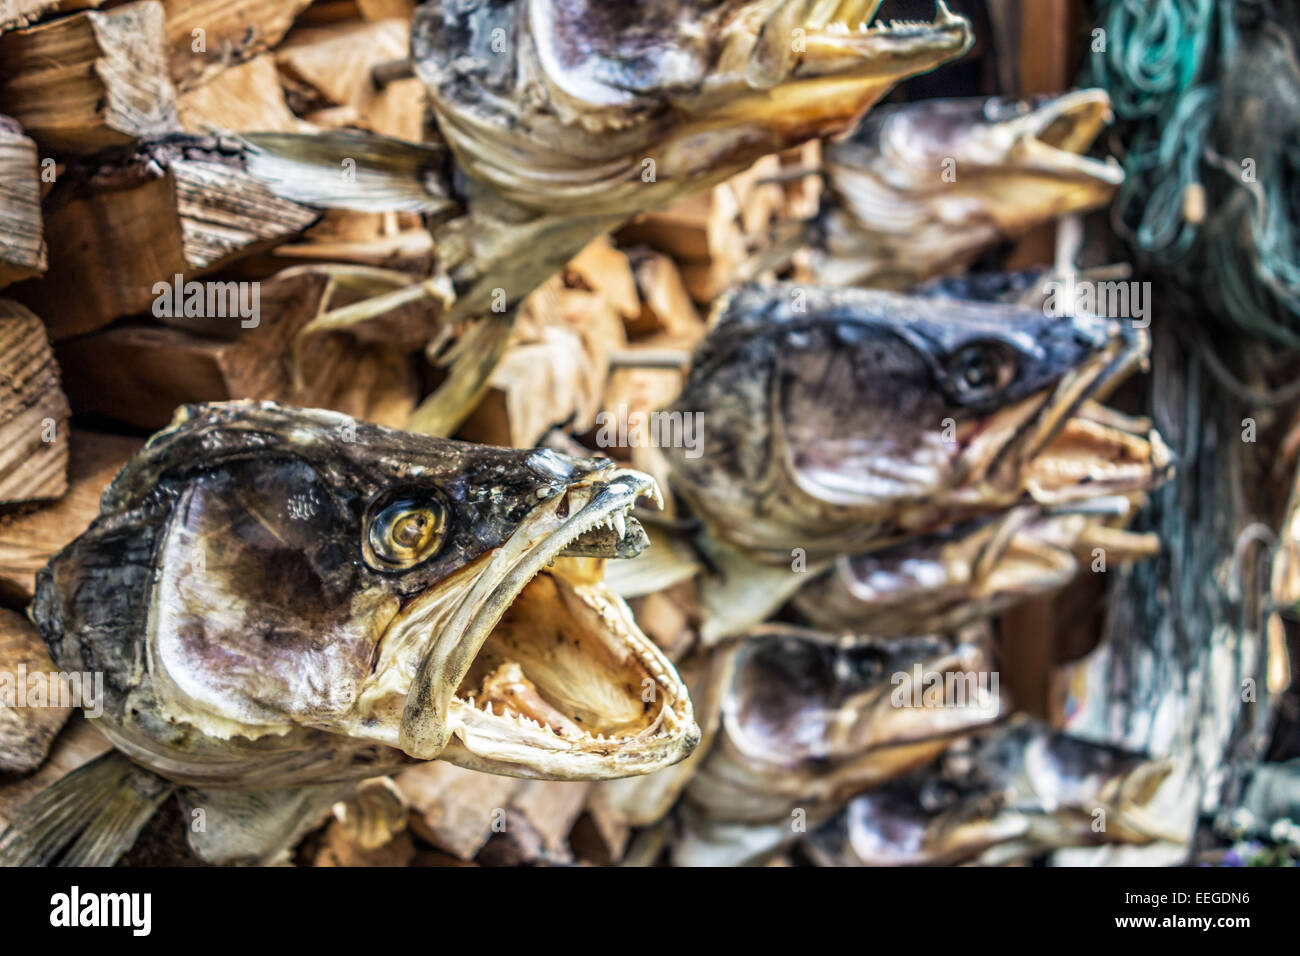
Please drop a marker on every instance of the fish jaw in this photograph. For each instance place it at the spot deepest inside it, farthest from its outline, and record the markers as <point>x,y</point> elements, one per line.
<point>1040,790</point>
<point>529,665</point>
<point>822,61</point>
<point>1062,445</point>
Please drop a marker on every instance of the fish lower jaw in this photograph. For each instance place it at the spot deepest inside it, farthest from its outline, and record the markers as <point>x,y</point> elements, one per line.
<point>566,687</point>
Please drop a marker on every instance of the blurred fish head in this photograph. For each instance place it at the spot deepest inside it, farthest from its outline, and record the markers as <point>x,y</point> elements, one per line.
<point>616,107</point>
<point>1016,163</point>
<point>809,718</point>
<point>973,570</point>
<point>1020,791</point>
<point>836,419</point>
<point>283,575</point>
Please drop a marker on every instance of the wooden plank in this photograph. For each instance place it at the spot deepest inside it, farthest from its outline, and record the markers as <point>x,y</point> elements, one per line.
<point>139,374</point>
<point>1029,631</point>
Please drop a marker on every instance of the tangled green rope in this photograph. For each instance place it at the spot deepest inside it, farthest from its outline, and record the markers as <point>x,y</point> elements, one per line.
<point>1164,64</point>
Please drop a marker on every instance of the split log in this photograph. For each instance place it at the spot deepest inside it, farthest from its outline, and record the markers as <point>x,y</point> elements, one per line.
<point>22,250</point>
<point>327,72</point>
<point>549,808</point>
<point>28,540</point>
<point>20,13</point>
<point>90,81</point>
<point>33,411</point>
<point>386,9</point>
<point>204,37</point>
<point>666,618</point>
<point>119,225</point>
<point>666,307</point>
<point>339,848</point>
<point>598,838</point>
<point>79,744</point>
<point>139,374</point>
<point>26,732</point>
<point>244,98</point>
<point>456,809</point>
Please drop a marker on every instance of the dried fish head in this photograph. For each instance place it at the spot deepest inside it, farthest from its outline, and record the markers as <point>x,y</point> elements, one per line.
<point>838,419</point>
<point>923,188</point>
<point>282,596</point>
<point>589,108</point>
<point>1016,792</point>
<point>972,571</point>
<point>809,719</point>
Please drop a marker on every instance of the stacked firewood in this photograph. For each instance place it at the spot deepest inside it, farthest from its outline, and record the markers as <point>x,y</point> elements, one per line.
<point>107,217</point>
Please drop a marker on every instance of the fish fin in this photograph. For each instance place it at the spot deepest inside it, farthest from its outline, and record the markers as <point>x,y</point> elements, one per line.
<point>348,169</point>
<point>257,826</point>
<point>742,593</point>
<point>99,808</point>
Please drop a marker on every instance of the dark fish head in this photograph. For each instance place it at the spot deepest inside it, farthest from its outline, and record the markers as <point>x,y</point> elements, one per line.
<point>1016,792</point>
<point>573,105</point>
<point>939,582</point>
<point>1021,161</point>
<point>834,420</point>
<point>268,577</point>
<point>809,718</point>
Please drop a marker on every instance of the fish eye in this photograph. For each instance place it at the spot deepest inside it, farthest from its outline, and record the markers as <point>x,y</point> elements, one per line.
<point>980,369</point>
<point>403,533</point>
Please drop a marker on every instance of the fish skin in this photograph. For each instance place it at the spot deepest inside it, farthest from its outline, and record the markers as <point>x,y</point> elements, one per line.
<point>922,189</point>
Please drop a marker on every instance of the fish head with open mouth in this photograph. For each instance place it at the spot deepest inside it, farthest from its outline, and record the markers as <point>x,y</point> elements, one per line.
<point>922,188</point>
<point>1015,792</point>
<point>580,105</point>
<point>282,596</point>
<point>837,419</point>
<point>974,570</point>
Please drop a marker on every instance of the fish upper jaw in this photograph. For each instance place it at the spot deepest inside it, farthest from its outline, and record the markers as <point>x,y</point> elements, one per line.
<point>535,668</point>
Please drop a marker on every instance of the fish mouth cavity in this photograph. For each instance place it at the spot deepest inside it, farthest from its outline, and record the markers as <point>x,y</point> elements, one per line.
<point>1068,446</point>
<point>1060,132</point>
<point>540,669</point>
<point>843,38</point>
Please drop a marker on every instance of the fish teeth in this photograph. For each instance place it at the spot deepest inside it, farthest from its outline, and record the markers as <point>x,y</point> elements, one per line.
<point>620,524</point>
